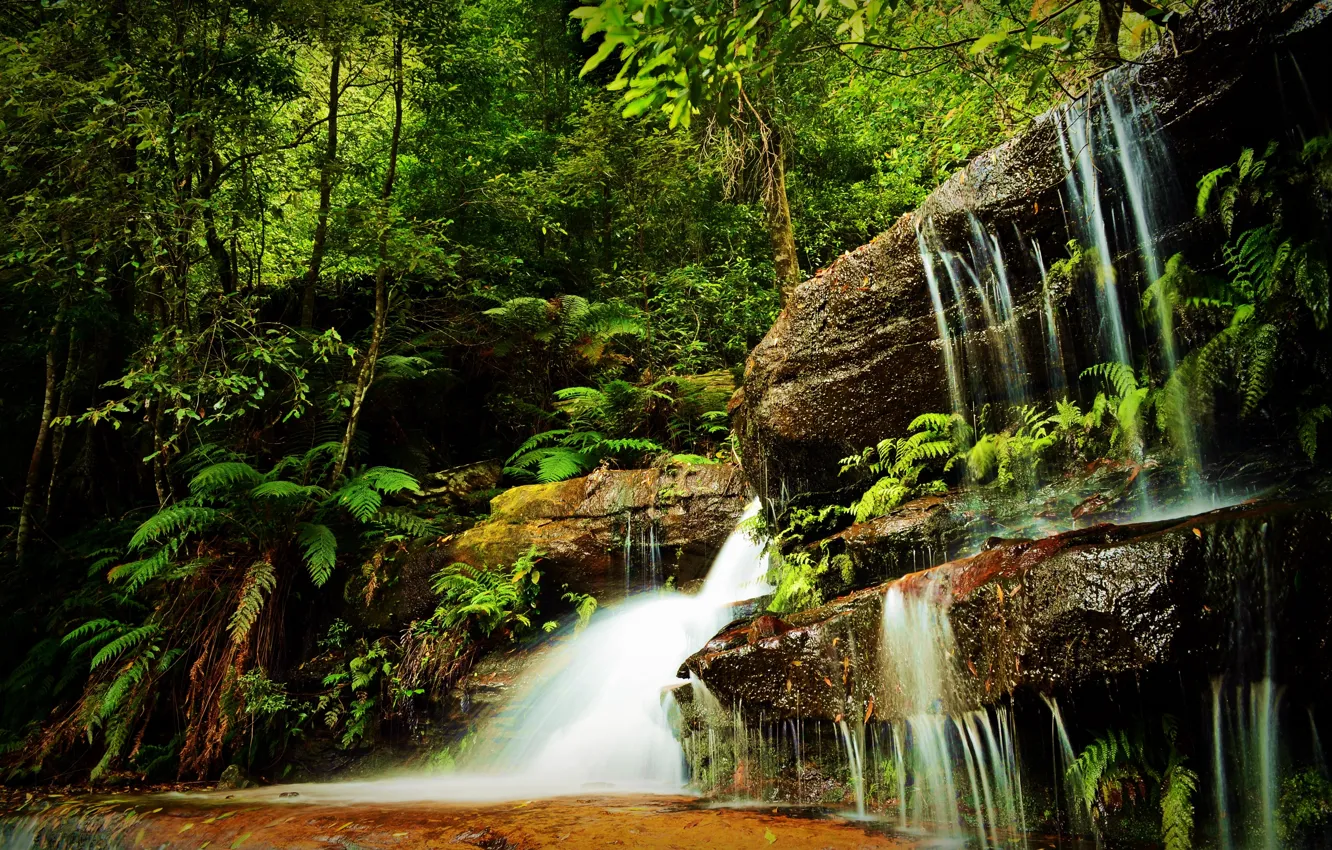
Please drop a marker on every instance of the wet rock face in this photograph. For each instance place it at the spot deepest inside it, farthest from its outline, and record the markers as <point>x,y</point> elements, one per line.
<point>1191,595</point>
<point>919,534</point>
<point>582,524</point>
<point>855,354</point>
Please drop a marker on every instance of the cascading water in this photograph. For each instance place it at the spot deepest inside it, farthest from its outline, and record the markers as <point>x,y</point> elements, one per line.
<point>951,366</point>
<point>1076,146</point>
<point>596,713</point>
<point>933,736</point>
<point>1054,350</point>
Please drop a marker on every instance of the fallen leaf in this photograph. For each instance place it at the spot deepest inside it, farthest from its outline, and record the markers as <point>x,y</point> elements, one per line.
<point>769,837</point>
<point>240,840</point>
<point>186,828</point>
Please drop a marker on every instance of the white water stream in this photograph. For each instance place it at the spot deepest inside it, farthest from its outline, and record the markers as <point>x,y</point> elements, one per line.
<point>594,712</point>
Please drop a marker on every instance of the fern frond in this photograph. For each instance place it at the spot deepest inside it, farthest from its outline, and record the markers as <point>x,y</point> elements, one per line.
<point>1178,787</point>
<point>124,643</point>
<point>407,523</point>
<point>1261,349</point>
<point>319,549</point>
<point>537,441</point>
<point>138,573</point>
<point>1207,185</point>
<point>89,628</point>
<point>1308,428</point>
<point>1118,376</point>
<point>260,580</point>
<point>221,476</point>
<point>170,521</point>
<point>360,499</point>
<point>1311,282</point>
<point>288,490</point>
<point>561,465</point>
<point>388,479</point>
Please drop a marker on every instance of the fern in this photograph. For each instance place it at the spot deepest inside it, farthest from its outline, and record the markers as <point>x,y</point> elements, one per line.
<point>360,499</point>
<point>170,521</point>
<point>1207,186</point>
<point>1261,350</point>
<point>127,641</point>
<point>585,605</point>
<point>406,523</point>
<point>220,476</point>
<point>138,573</point>
<point>288,490</point>
<point>1178,787</point>
<point>260,580</point>
<point>1308,428</point>
<point>90,629</point>
<point>388,480</point>
<point>319,549</point>
<point>1119,376</point>
<point>482,602</point>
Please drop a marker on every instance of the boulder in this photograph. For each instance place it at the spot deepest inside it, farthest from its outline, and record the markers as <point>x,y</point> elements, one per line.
<point>856,353</point>
<point>1200,596</point>
<point>600,534</point>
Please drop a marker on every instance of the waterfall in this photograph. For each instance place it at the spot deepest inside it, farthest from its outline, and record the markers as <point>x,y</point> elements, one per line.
<point>595,713</point>
<point>1054,351</point>
<point>934,736</point>
<point>1122,195</point>
<point>982,276</point>
<point>1077,149</point>
<point>941,321</point>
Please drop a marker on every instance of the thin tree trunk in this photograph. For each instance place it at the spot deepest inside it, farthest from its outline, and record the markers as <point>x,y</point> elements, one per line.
<point>73,367</point>
<point>778,211</point>
<point>325,191</point>
<point>366,376</point>
<point>39,447</point>
<point>1107,33</point>
<point>217,247</point>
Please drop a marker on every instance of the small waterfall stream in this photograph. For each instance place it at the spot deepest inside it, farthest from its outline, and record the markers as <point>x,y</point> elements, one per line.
<point>934,736</point>
<point>595,714</point>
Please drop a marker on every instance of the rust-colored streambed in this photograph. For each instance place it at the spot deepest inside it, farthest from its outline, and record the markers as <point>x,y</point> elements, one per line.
<point>247,821</point>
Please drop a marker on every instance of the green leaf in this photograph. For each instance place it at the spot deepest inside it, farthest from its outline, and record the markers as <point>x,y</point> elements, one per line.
<point>319,548</point>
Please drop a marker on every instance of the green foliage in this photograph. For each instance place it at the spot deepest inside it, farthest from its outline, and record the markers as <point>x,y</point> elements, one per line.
<point>234,535</point>
<point>620,421</point>
<point>1127,402</point>
<point>683,60</point>
<point>1304,809</point>
<point>1275,286</point>
<point>1116,768</point>
<point>900,462</point>
<point>483,602</point>
<point>795,579</point>
<point>584,606</point>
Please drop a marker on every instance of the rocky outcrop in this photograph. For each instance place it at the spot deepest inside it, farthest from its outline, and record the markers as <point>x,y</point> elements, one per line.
<point>593,532</point>
<point>1191,595</point>
<point>855,354</point>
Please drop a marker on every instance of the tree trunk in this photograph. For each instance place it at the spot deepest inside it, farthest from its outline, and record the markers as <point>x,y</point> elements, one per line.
<point>217,247</point>
<point>39,447</point>
<point>366,376</point>
<point>1107,33</point>
<point>778,211</point>
<point>73,367</point>
<point>325,191</point>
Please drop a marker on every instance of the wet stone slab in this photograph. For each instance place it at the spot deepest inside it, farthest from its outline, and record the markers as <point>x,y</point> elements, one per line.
<point>215,821</point>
